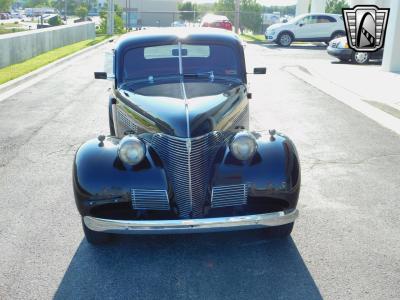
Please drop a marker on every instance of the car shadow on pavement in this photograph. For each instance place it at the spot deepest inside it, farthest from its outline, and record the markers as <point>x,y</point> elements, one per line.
<point>232,265</point>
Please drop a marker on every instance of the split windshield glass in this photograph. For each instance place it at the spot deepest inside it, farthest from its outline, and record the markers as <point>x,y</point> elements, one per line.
<point>184,60</point>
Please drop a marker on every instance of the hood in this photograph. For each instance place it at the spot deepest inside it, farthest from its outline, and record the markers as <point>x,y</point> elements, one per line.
<point>276,26</point>
<point>187,109</point>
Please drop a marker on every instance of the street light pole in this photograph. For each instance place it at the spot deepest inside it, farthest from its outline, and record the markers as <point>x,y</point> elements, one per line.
<point>237,16</point>
<point>65,10</point>
<point>110,17</point>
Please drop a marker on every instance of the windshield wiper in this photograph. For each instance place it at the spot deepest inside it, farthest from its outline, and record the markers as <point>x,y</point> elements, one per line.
<point>209,75</point>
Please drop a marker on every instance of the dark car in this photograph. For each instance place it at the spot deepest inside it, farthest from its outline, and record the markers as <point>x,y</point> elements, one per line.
<point>180,156</point>
<point>340,49</point>
<point>216,21</point>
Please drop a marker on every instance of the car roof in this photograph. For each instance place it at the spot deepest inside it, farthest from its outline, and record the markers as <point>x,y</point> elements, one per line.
<point>152,37</point>
<point>323,14</point>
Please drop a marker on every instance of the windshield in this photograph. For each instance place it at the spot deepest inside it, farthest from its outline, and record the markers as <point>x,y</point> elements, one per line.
<point>150,63</point>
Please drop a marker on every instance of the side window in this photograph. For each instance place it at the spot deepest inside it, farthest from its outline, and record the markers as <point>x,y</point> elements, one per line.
<point>325,19</point>
<point>310,20</point>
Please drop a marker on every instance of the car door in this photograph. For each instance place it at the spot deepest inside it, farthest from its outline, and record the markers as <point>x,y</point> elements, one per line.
<point>306,28</point>
<point>326,26</point>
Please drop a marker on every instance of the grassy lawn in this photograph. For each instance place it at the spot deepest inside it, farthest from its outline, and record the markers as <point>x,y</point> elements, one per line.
<point>253,37</point>
<point>11,27</point>
<point>17,70</point>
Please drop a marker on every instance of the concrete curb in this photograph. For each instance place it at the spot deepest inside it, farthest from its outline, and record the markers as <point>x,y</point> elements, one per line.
<point>347,97</point>
<point>24,78</point>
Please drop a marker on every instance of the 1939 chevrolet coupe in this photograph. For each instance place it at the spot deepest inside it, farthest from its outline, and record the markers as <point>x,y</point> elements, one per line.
<point>180,157</point>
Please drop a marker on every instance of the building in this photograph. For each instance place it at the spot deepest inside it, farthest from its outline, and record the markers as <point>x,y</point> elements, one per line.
<point>149,12</point>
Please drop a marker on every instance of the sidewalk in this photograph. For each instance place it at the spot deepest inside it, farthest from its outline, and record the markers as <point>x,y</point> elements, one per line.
<point>369,82</point>
<point>366,88</point>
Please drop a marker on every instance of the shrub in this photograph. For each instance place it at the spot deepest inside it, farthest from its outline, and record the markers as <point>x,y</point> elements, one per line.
<point>55,21</point>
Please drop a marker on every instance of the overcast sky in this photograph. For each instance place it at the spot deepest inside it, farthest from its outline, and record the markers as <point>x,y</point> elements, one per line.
<point>264,2</point>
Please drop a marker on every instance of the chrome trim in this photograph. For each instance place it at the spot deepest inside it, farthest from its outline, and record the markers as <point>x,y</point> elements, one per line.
<point>115,119</point>
<point>150,199</point>
<point>191,225</point>
<point>229,195</point>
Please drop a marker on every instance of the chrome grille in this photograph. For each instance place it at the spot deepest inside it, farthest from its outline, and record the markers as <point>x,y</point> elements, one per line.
<point>125,121</point>
<point>150,199</point>
<point>187,162</point>
<point>242,118</point>
<point>229,195</point>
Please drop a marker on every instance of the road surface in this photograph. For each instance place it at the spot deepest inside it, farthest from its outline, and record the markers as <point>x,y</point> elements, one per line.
<point>345,245</point>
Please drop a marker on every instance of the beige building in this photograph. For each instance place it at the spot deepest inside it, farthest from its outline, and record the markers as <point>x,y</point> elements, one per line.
<point>149,12</point>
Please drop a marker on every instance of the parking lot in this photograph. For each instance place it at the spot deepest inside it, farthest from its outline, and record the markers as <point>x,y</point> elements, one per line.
<point>345,245</point>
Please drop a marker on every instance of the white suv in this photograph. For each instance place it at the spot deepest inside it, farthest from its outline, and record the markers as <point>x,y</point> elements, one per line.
<point>307,28</point>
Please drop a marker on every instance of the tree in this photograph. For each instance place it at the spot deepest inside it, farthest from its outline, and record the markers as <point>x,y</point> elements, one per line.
<point>36,3</point>
<point>118,22</point>
<point>250,15</point>
<point>81,12</point>
<point>5,5</point>
<point>188,11</point>
<point>335,6</point>
<point>55,21</point>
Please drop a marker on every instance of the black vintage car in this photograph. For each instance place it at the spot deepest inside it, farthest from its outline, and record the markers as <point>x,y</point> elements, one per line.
<point>180,156</point>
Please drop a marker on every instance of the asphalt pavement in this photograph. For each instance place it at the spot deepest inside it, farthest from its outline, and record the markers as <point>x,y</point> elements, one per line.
<point>345,245</point>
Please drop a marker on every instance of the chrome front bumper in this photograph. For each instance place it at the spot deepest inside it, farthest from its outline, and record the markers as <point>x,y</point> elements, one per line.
<point>191,225</point>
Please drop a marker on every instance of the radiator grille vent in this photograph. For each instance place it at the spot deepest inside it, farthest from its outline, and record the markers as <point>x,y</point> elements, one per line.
<point>229,195</point>
<point>150,199</point>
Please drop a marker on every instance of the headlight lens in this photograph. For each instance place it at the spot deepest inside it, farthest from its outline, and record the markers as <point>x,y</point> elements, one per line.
<point>243,145</point>
<point>131,150</point>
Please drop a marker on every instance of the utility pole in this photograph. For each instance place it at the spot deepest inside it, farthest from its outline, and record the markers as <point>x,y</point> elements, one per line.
<point>237,16</point>
<point>110,17</point>
<point>65,11</point>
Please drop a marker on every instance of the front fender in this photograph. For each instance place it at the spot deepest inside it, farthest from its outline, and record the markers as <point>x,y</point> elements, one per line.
<point>273,172</point>
<point>100,177</point>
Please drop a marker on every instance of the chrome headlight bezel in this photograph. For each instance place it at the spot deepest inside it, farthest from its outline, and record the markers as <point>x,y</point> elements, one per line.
<point>131,150</point>
<point>243,145</point>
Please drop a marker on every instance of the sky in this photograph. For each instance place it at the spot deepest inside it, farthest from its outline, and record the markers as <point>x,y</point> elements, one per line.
<point>263,2</point>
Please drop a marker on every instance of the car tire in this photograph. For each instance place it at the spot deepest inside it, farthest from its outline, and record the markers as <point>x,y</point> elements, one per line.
<point>360,58</point>
<point>94,237</point>
<point>281,231</point>
<point>285,39</point>
<point>337,34</point>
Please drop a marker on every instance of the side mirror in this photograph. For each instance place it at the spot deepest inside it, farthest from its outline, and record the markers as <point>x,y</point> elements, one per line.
<point>260,71</point>
<point>100,75</point>
<point>301,24</point>
<point>284,21</point>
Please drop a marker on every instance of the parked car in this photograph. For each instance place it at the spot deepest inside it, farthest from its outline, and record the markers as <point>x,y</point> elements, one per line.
<point>178,24</point>
<point>307,28</point>
<point>4,16</point>
<point>18,15</point>
<point>180,156</point>
<point>216,21</point>
<point>340,49</point>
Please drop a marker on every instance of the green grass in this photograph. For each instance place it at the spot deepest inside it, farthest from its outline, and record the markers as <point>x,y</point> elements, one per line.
<point>10,30</point>
<point>17,70</point>
<point>253,37</point>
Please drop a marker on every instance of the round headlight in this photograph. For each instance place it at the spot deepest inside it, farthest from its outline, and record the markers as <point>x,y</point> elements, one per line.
<point>131,150</point>
<point>243,145</point>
